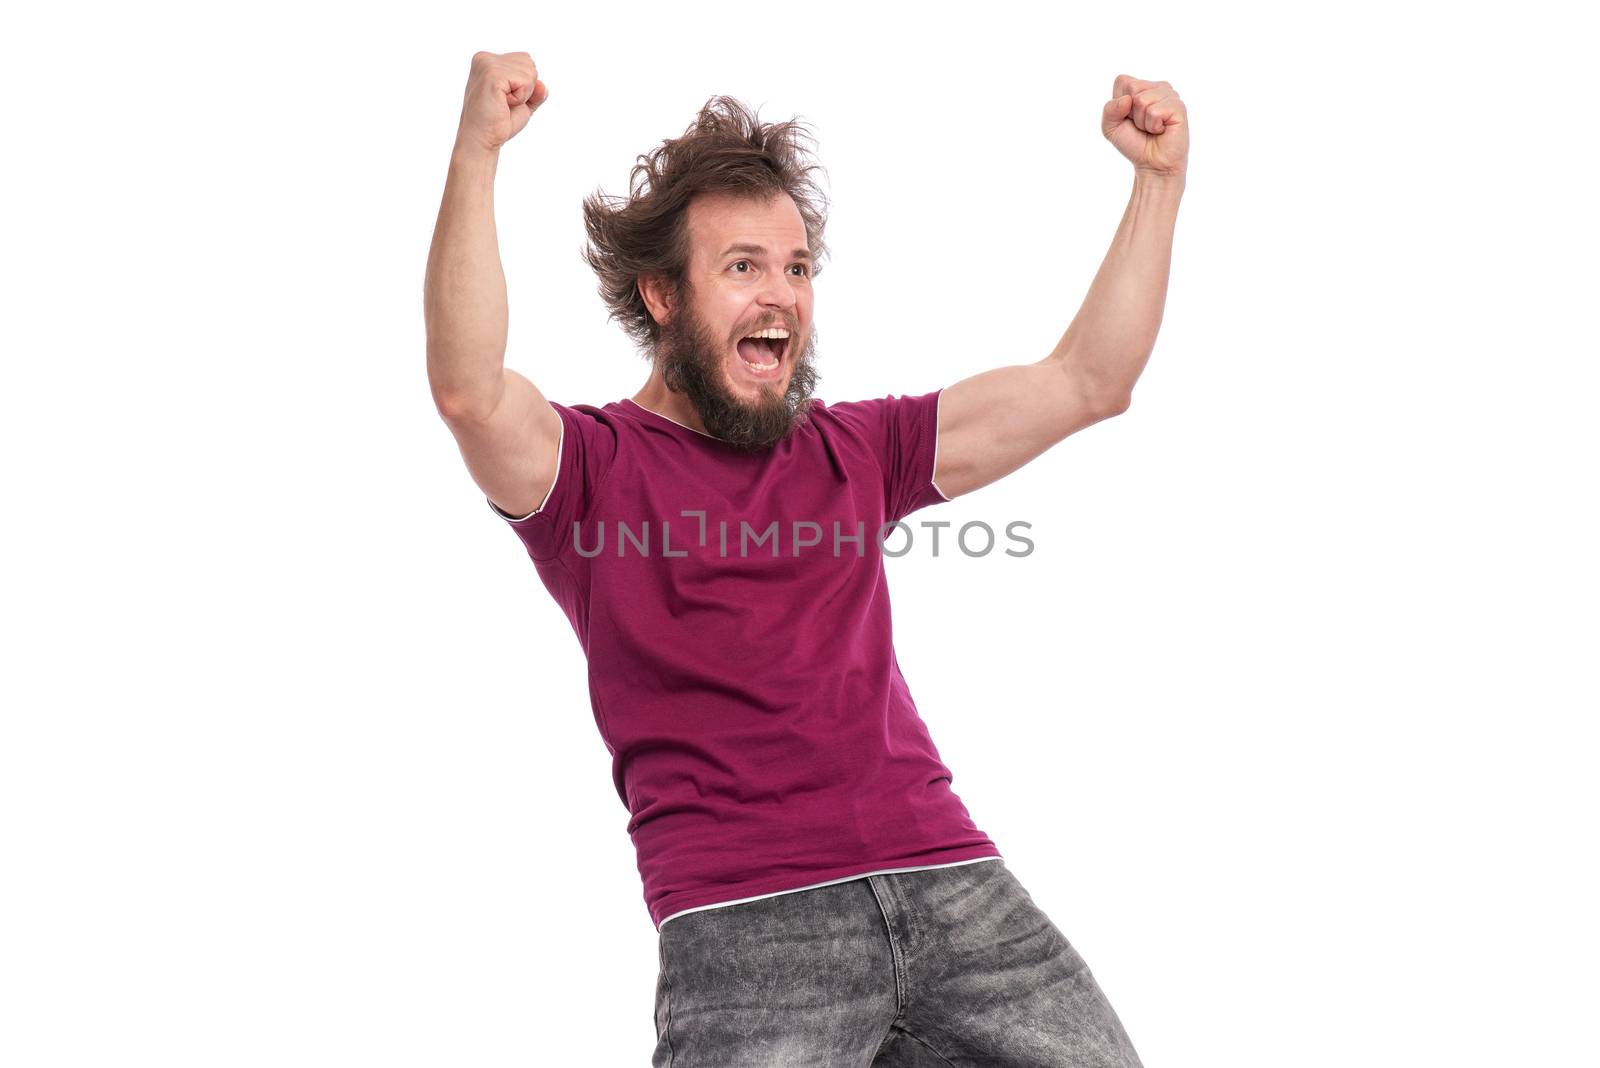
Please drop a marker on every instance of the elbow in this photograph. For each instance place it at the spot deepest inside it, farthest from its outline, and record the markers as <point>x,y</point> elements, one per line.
<point>460,406</point>
<point>465,388</point>
<point>1100,396</point>
<point>1114,404</point>
<point>1105,400</point>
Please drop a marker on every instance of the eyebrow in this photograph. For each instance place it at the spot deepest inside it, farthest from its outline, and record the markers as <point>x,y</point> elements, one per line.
<point>758,250</point>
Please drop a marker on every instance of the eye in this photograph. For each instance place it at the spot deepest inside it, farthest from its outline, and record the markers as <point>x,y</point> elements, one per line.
<point>805,270</point>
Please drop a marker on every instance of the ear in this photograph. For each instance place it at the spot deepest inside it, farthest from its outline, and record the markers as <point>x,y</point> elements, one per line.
<point>657,297</point>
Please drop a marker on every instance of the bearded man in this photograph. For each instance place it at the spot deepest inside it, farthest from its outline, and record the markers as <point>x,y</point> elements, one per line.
<point>821,895</point>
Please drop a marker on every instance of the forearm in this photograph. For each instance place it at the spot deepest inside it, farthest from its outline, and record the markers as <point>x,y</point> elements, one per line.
<point>1114,332</point>
<point>464,294</point>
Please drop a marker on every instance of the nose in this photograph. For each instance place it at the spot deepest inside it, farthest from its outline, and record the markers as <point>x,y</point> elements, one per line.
<point>776,293</point>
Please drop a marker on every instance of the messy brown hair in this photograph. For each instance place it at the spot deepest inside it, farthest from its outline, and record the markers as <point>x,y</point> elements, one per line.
<point>727,149</point>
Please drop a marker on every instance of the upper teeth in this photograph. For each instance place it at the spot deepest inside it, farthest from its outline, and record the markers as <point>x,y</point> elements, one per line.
<point>771,331</point>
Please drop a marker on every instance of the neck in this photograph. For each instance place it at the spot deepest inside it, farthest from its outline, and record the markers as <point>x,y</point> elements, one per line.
<point>675,406</point>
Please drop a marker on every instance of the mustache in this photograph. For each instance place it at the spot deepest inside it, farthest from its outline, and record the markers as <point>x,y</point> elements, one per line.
<point>692,363</point>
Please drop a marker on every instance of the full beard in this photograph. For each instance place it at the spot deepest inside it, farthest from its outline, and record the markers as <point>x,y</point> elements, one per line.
<point>693,363</point>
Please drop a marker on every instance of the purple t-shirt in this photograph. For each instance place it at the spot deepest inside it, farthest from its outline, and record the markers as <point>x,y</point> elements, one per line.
<point>734,611</point>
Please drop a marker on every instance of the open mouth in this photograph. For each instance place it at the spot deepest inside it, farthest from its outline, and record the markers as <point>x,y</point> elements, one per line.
<point>762,356</point>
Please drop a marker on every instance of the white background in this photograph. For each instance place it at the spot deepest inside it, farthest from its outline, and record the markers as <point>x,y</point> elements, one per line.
<point>1287,722</point>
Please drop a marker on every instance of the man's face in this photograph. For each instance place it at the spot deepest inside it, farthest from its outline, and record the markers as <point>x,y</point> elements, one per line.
<point>748,270</point>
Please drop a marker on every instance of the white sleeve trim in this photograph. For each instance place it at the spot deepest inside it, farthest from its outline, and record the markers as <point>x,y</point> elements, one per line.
<point>936,402</point>
<point>561,442</point>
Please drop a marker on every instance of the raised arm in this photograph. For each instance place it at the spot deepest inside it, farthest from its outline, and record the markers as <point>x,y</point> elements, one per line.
<point>506,430</point>
<point>994,422</point>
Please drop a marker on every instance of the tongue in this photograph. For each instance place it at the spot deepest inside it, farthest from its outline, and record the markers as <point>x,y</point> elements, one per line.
<point>758,349</point>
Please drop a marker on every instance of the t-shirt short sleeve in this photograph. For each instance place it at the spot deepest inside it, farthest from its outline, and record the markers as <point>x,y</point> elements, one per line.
<point>903,432</point>
<point>586,452</point>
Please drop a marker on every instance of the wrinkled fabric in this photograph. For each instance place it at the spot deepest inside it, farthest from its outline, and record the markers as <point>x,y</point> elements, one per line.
<point>947,966</point>
<point>762,735</point>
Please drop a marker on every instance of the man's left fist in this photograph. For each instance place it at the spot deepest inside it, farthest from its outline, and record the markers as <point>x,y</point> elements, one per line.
<point>1149,124</point>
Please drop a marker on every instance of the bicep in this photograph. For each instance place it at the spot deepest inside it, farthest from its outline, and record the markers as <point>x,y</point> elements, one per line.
<point>994,422</point>
<point>512,451</point>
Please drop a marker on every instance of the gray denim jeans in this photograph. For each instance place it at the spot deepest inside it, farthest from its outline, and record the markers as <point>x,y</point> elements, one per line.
<point>916,969</point>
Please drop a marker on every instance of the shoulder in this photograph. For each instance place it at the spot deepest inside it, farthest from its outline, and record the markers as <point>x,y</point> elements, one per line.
<point>600,423</point>
<point>883,420</point>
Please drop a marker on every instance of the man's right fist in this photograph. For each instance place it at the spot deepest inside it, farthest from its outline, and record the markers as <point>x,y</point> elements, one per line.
<point>502,92</point>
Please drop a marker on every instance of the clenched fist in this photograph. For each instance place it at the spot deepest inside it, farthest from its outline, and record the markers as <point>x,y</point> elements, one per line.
<point>1149,124</point>
<point>503,91</point>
